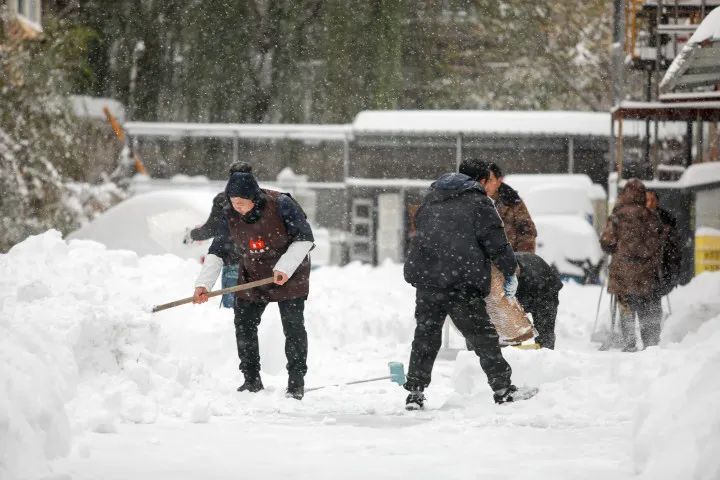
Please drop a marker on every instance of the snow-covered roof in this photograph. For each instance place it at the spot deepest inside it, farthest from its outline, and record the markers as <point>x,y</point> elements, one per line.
<point>701,174</point>
<point>92,107</point>
<point>698,63</point>
<point>482,122</point>
<point>695,175</point>
<point>239,130</point>
<point>709,29</point>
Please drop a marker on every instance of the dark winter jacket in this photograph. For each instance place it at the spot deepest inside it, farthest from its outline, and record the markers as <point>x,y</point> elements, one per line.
<point>633,235</point>
<point>519,227</point>
<point>458,233</point>
<point>276,223</point>
<point>537,281</point>
<point>671,253</point>
<point>212,225</point>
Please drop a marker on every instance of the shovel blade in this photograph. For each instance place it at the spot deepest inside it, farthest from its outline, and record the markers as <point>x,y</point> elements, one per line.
<point>397,372</point>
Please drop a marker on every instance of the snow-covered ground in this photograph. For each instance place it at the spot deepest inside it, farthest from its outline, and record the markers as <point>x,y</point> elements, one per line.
<point>94,386</point>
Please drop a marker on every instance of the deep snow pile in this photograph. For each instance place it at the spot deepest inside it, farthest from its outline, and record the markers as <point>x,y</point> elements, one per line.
<point>677,428</point>
<point>77,338</point>
<point>80,354</point>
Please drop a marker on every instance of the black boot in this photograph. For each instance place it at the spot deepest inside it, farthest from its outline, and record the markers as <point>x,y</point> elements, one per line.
<point>415,401</point>
<point>513,394</point>
<point>253,384</point>
<point>296,388</point>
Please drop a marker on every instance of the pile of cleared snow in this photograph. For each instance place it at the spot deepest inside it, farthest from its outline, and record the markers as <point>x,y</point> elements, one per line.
<point>69,314</point>
<point>692,305</point>
<point>79,347</point>
<point>676,429</point>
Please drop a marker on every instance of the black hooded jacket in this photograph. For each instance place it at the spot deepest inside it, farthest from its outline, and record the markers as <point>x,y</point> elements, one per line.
<point>458,234</point>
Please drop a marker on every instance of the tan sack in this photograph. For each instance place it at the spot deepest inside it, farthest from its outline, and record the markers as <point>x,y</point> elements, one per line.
<point>508,316</point>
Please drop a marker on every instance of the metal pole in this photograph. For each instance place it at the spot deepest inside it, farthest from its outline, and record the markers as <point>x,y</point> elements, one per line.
<point>346,159</point>
<point>620,154</point>
<point>688,144</point>
<point>612,160</point>
<point>571,155</point>
<point>699,154</point>
<point>656,153</point>
<point>658,46</point>
<point>458,151</point>
<point>618,55</point>
<point>648,97</point>
<point>235,150</point>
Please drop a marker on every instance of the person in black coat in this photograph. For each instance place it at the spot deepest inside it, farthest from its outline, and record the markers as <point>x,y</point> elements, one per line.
<point>538,288</point>
<point>458,235</point>
<point>212,225</point>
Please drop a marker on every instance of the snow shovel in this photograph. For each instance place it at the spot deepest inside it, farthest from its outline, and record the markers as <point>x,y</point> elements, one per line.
<point>236,288</point>
<point>397,375</point>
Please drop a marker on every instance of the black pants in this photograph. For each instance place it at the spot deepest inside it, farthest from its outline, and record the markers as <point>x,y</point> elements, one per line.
<point>543,307</point>
<point>649,312</point>
<point>247,319</point>
<point>468,313</point>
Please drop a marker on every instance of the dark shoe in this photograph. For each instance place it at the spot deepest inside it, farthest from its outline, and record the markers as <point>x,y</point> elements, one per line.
<point>630,348</point>
<point>415,401</point>
<point>513,394</point>
<point>296,388</point>
<point>252,385</point>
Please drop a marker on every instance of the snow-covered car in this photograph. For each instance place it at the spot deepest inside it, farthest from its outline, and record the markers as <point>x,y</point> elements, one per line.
<point>156,223</point>
<point>562,238</point>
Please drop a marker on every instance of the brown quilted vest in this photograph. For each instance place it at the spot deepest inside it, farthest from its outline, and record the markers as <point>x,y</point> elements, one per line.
<point>261,244</point>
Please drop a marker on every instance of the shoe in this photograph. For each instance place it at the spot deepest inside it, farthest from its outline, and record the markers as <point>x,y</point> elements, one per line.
<point>415,401</point>
<point>630,348</point>
<point>296,388</point>
<point>253,385</point>
<point>513,394</point>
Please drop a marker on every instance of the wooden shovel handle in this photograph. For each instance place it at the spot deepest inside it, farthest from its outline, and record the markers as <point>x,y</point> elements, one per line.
<point>236,288</point>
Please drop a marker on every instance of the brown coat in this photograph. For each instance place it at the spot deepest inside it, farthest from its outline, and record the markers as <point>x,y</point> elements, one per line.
<point>633,236</point>
<point>519,227</point>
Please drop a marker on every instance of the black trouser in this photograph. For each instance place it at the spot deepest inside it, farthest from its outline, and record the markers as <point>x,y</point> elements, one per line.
<point>468,313</point>
<point>543,307</point>
<point>649,312</point>
<point>247,319</point>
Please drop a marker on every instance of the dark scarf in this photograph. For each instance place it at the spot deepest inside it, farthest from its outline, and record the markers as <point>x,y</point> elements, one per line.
<point>256,213</point>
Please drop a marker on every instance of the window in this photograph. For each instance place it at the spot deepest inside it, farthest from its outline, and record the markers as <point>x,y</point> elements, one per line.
<point>27,10</point>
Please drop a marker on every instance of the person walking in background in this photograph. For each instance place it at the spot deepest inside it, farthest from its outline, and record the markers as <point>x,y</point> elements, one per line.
<point>211,229</point>
<point>671,248</point>
<point>458,234</point>
<point>633,236</point>
<point>273,238</point>
<point>519,226</point>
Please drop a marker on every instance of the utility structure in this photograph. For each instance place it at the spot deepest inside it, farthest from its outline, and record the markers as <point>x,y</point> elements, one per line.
<point>656,36</point>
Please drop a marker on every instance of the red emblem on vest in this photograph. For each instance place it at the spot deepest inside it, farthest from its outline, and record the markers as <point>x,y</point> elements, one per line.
<point>257,245</point>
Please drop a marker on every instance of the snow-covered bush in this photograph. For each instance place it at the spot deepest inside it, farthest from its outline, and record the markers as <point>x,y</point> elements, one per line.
<point>42,146</point>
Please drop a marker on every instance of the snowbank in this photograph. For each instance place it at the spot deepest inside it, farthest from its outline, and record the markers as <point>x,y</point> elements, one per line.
<point>80,351</point>
<point>676,428</point>
<point>70,313</point>
<point>692,305</point>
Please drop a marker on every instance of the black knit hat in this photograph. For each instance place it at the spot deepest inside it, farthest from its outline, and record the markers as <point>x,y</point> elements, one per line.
<point>242,185</point>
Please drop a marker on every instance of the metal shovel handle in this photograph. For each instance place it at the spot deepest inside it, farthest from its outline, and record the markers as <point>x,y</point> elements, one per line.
<point>236,288</point>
